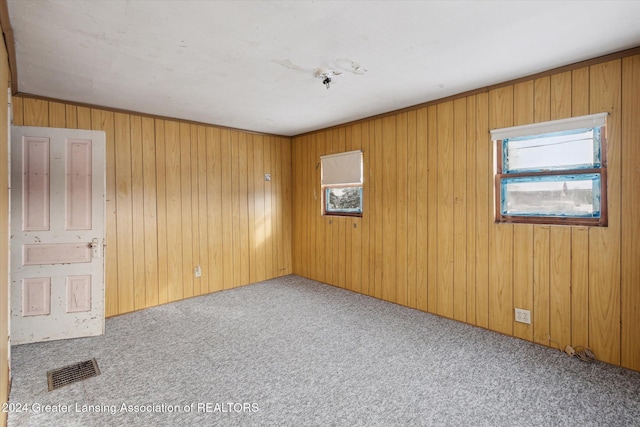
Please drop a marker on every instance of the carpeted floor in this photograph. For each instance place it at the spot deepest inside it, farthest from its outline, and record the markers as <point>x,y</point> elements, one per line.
<point>294,352</point>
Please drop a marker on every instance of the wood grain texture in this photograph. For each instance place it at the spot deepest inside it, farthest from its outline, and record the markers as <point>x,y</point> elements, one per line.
<point>460,232</point>
<point>137,211</point>
<point>445,220</point>
<point>401,210</point>
<point>104,121</point>
<point>150,212</point>
<point>484,208</point>
<point>541,244</point>
<point>470,214</point>
<point>422,213</point>
<point>411,210</point>
<point>501,235</point>
<point>604,242</point>
<point>523,114</point>
<point>389,214</point>
<point>124,213</point>
<point>432,208</point>
<point>174,210</point>
<point>161,206</point>
<point>580,286</point>
<point>630,243</point>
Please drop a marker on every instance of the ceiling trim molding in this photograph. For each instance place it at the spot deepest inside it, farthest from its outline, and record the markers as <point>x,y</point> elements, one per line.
<point>10,44</point>
<point>586,63</point>
<point>141,114</point>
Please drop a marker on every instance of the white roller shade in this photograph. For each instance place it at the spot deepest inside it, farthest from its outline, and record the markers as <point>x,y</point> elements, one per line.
<point>342,168</point>
<point>582,122</point>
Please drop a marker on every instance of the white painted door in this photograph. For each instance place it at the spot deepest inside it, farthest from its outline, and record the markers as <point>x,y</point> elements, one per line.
<point>57,233</point>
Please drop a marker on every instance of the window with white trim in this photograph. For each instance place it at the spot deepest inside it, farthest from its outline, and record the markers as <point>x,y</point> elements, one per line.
<point>342,184</point>
<point>552,172</point>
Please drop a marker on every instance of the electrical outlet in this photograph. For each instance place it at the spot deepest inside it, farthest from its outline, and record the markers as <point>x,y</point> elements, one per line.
<point>523,316</point>
<point>198,271</point>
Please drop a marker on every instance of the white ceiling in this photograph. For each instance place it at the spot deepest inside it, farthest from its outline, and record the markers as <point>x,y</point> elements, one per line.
<point>250,64</point>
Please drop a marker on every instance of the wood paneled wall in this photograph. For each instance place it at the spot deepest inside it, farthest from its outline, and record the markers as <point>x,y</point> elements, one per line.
<point>428,239</point>
<point>181,195</point>
<point>5,77</point>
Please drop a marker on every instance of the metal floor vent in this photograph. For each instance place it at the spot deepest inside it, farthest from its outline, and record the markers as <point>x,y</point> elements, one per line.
<point>73,373</point>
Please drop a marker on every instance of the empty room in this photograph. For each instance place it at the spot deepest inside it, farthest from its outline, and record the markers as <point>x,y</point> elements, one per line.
<point>376,213</point>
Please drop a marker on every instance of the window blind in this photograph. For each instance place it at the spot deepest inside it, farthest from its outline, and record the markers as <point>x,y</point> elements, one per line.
<point>582,122</point>
<point>342,168</point>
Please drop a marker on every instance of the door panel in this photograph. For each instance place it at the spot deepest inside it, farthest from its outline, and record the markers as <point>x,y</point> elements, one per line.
<point>57,233</point>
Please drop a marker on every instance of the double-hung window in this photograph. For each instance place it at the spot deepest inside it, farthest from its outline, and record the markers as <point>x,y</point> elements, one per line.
<point>553,172</point>
<point>342,184</point>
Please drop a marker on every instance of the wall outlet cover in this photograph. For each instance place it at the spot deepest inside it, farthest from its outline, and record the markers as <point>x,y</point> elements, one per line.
<point>523,316</point>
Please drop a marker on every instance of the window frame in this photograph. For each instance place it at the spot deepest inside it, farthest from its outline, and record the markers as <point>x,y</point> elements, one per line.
<point>500,175</point>
<point>341,213</point>
<point>325,187</point>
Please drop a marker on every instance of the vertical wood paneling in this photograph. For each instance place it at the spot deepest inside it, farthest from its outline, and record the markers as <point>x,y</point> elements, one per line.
<point>199,176</point>
<point>401,209</point>
<point>484,209</point>
<point>104,121</point>
<point>274,207</point>
<point>57,115</point>
<point>432,203</point>
<point>472,159</point>
<point>214,210</point>
<point>422,212</point>
<point>348,227</point>
<point>137,211</point>
<point>560,237</point>
<point>174,210</point>
<point>367,244</point>
<point>150,208</point>
<point>630,243</point>
<point>124,213</point>
<point>560,286</point>
<point>460,210</point>
<point>251,207</point>
<point>85,117</point>
<point>412,226</point>
<point>541,268</point>
<point>268,196</point>
<point>445,269</point>
<point>227,214</point>
<point>358,226</point>
<point>523,233</point>
<point>235,247</point>
<point>389,215</point>
<point>161,189</point>
<point>243,216</point>
<point>604,242</point>
<point>501,235</point>
<point>580,235</point>
<point>184,195</point>
<point>286,203</point>
<point>18,111</point>
<point>71,116</point>
<point>580,287</point>
<point>36,112</point>
<point>318,223</point>
<point>378,207</point>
